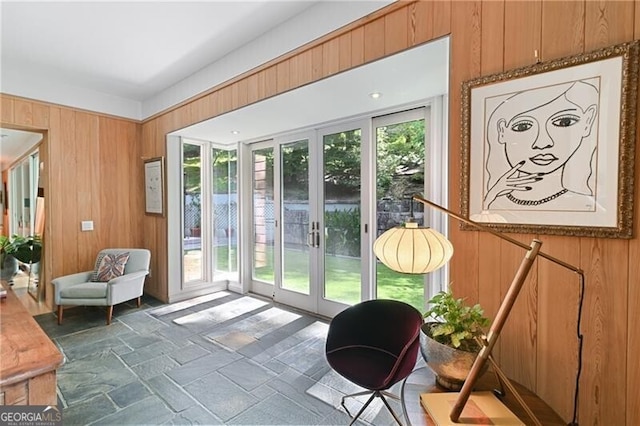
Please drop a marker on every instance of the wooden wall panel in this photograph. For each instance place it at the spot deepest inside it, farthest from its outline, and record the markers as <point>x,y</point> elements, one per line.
<point>606,264</point>
<point>442,24</point>
<point>518,345</point>
<point>151,147</point>
<point>40,116</point>
<point>304,65</point>
<point>282,76</point>
<point>357,47</point>
<point>23,112</point>
<point>491,61</point>
<point>86,182</point>
<point>420,22</point>
<point>559,292</point>
<point>68,191</point>
<point>608,23</point>
<point>344,52</point>
<point>465,51</point>
<point>75,151</point>
<point>54,215</point>
<point>396,37</point>
<point>562,21</point>
<point>636,20</point>
<point>522,30</point>
<point>374,40</point>
<point>270,82</point>
<point>252,88</point>
<point>330,57</point>
<point>6,110</point>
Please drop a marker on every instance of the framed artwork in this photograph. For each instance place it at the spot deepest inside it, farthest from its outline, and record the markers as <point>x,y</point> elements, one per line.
<point>154,186</point>
<point>549,148</point>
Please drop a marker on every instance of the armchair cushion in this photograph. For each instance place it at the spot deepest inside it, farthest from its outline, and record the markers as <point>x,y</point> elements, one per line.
<point>112,266</point>
<point>90,290</point>
<point>94,273</point>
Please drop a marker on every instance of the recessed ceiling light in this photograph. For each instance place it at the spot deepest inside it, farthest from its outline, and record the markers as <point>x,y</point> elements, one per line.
<point>235,132</point>
<point>375,95</point>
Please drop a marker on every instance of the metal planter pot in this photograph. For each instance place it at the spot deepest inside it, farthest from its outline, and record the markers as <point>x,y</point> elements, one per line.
<point>451,366</point>
<point>8,268</point>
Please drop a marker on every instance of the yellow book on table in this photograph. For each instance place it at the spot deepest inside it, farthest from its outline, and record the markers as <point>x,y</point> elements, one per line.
<point>482,408</point>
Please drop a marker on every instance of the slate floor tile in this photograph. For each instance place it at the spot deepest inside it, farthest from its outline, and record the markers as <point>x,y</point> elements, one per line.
<point>201,367</point>
<point>129,394</point>
<point>275,410</point>
<point>149,411</point>
<point>88,410</point>
<point>90,376</point>
<point>188,353</point>
<point>246,374</point>
<point>195,416</point>
<point>218,359</point>
<point>221,396</point>
<point>172,394</point>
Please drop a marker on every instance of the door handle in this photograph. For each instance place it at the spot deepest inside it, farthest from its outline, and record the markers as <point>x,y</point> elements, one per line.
<point>311,239</point>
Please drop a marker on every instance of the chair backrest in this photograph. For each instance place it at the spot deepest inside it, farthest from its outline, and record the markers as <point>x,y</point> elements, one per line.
<point>381,323</point>
<point>139,259</point>
<point>369,329</point>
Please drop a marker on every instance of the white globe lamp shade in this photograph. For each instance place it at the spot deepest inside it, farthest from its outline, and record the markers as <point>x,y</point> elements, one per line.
<point>413,250</point>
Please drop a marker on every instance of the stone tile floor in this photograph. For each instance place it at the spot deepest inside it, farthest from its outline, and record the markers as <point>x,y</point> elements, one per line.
<point>222,358</point>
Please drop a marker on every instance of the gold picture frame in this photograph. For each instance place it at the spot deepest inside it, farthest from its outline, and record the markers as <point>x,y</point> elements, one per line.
<point>549,148</point>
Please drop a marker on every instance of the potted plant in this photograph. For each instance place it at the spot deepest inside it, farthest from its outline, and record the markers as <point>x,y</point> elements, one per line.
<point>8,263</point>
<point>27,250</point>
<point>451,338</point>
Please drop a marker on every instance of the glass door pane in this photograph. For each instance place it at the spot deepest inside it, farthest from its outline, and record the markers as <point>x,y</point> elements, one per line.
<point>400,169</point>
<point>263,215</point>
<point>225,211</point>
<point>341,171</point>
<point>294,157</point>
<point>192,188</point>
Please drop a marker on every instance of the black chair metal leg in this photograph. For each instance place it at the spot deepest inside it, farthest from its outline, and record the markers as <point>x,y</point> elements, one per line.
<point>393,413</point>
<point>374,394</point>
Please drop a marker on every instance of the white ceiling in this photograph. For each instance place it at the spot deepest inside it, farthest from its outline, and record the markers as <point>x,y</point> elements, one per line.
<point>131,50</point>
<point>142,57</point>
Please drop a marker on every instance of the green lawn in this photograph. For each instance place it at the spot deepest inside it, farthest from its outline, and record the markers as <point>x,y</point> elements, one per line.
<point>342,279</point>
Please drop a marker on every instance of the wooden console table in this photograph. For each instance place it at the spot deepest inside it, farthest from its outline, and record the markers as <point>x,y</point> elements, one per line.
<point>422,380</point>
<point>28,358</point>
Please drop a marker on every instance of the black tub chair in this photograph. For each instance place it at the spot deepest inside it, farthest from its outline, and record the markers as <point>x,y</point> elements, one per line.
<point>374,344</point>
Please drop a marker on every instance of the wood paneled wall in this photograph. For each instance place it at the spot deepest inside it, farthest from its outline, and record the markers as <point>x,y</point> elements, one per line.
<point>92,171</point>
<point>538,346</point>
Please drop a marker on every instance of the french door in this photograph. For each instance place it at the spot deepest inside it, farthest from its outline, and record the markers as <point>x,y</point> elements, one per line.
<point>321,198</point>
<point>306,219</point>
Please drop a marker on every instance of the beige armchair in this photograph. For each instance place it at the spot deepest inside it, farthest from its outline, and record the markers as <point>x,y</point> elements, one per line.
<point>118,276</point>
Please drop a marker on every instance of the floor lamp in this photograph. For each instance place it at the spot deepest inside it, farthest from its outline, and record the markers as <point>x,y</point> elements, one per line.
<point>394,249</point>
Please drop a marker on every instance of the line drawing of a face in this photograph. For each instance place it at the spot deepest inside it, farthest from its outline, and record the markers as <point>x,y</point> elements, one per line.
<point>546,136</point>
<point>546,129</point>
